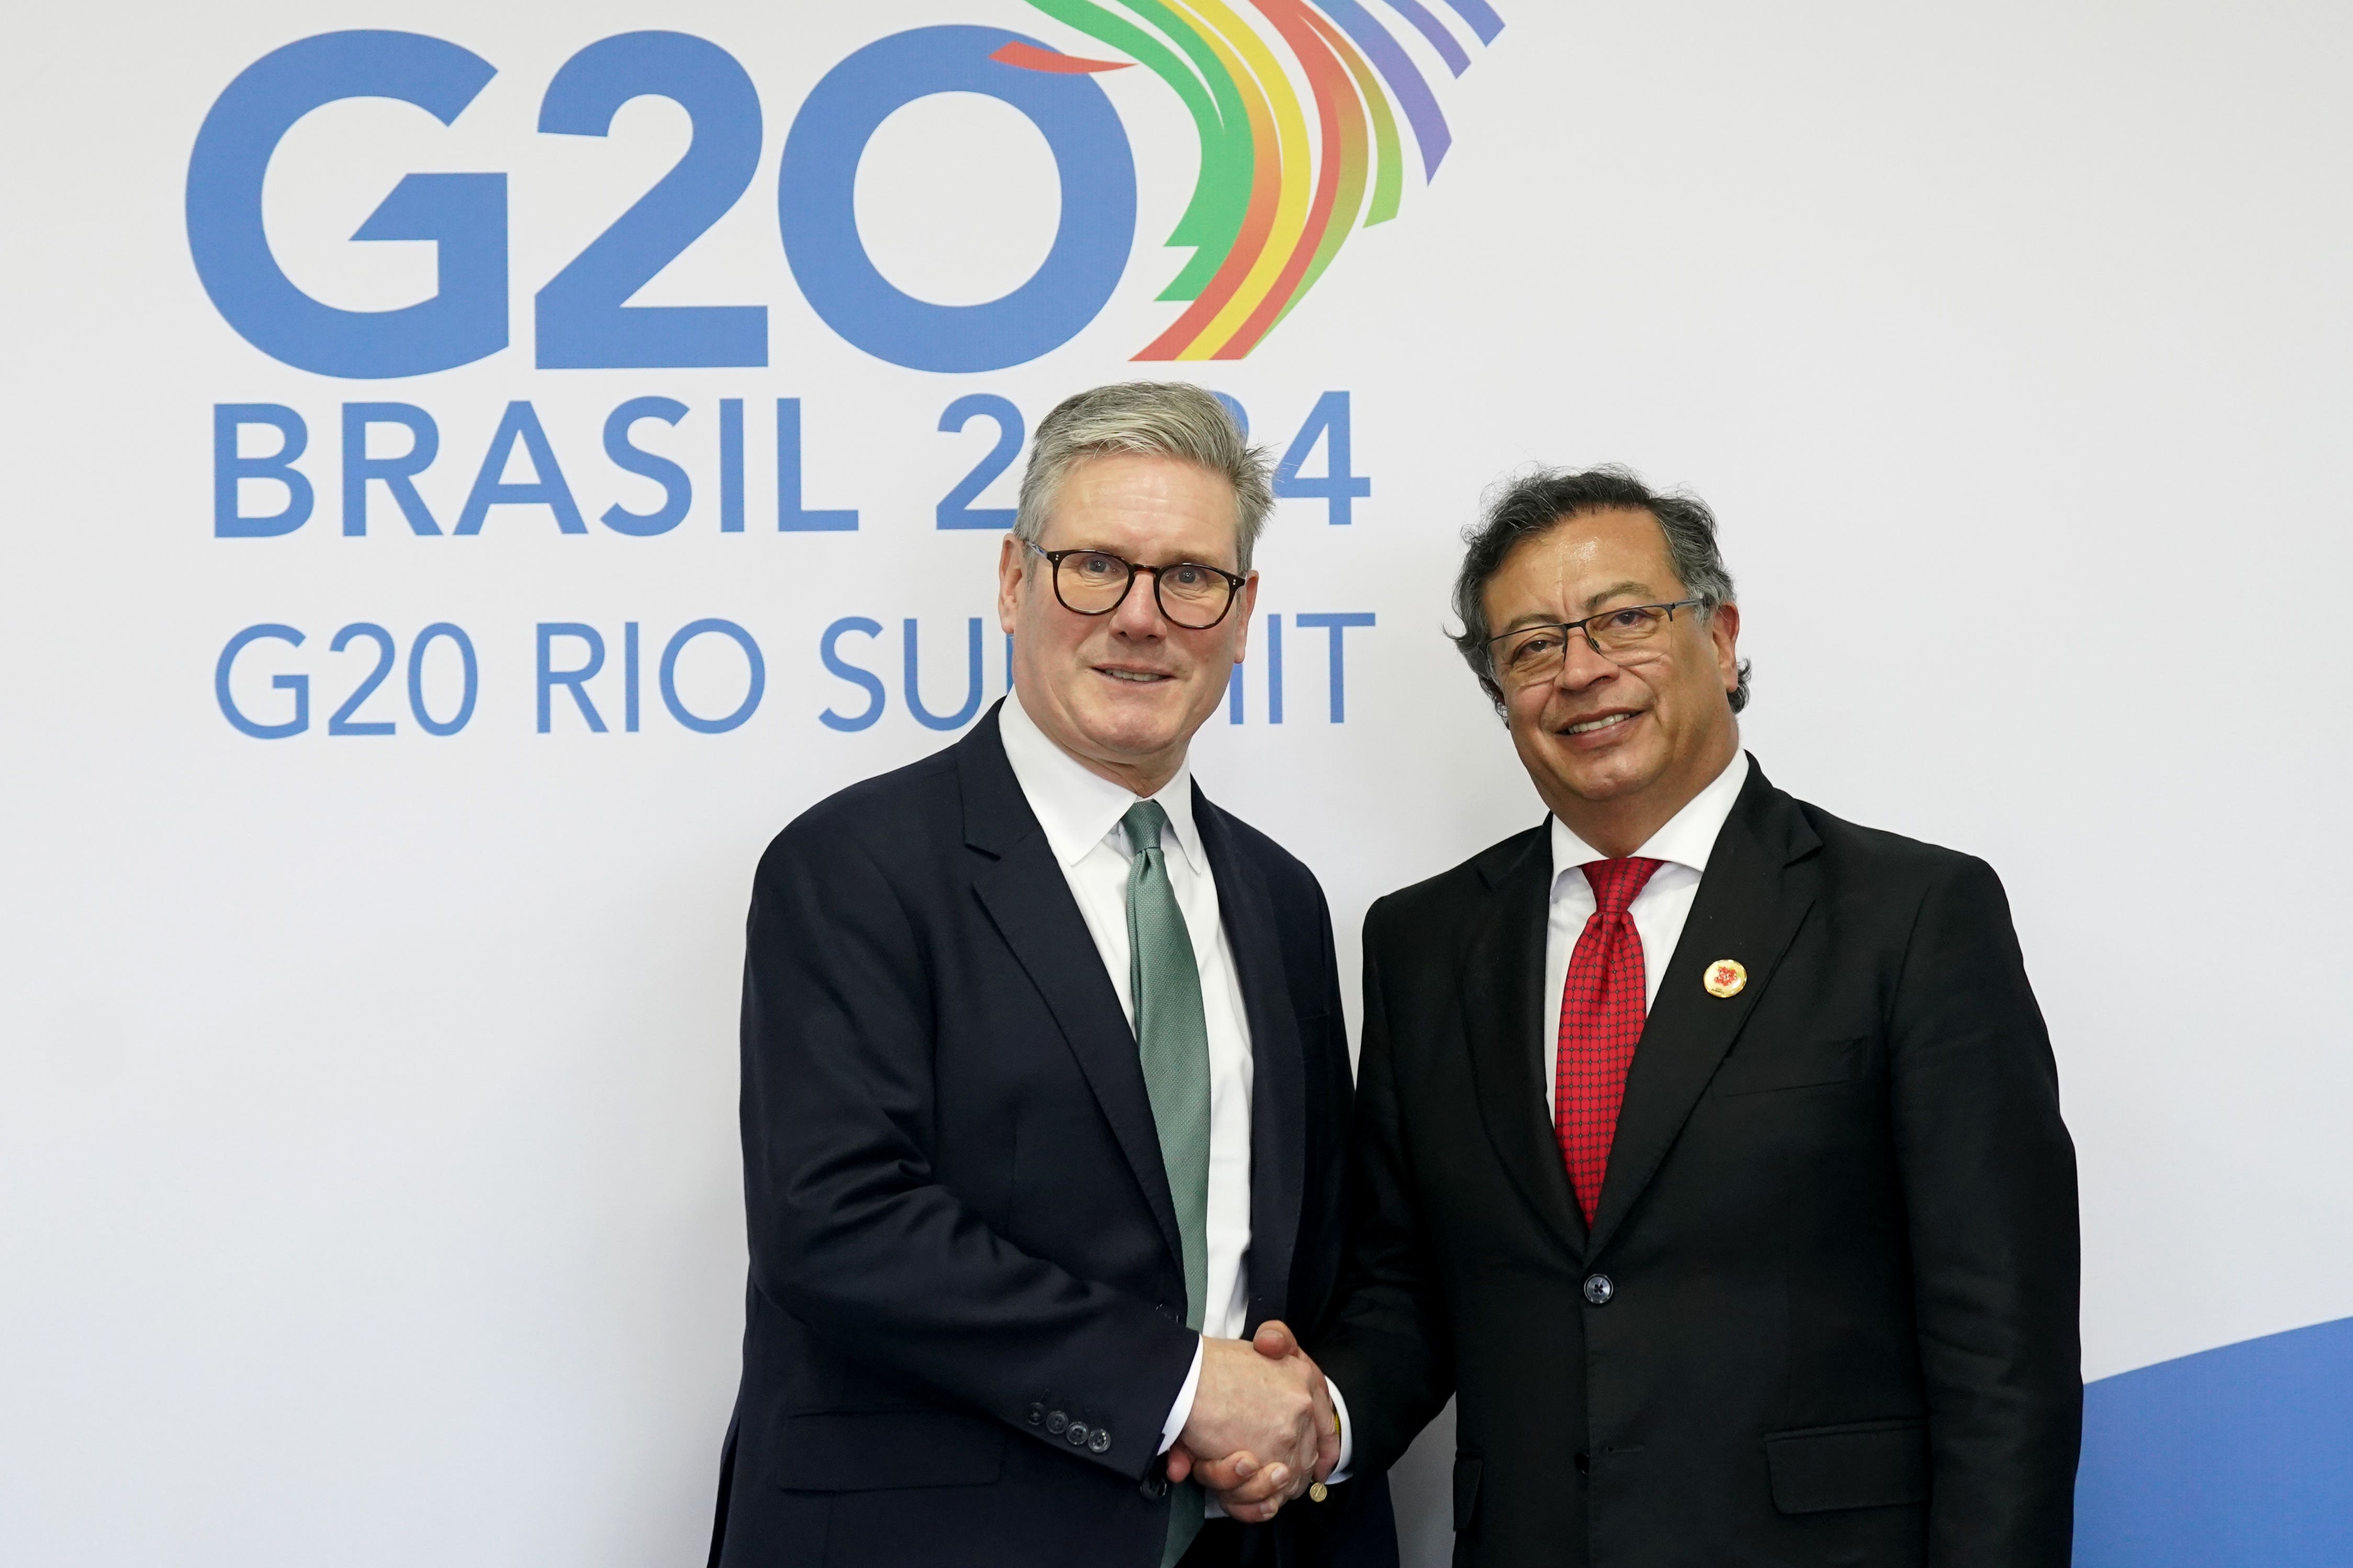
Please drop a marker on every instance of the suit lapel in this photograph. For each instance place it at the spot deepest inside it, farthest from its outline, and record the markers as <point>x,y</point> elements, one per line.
<point>1502,1017</point>
<point>1750,903</point>
<point>1279,1071</point>
<point>1028,900</point>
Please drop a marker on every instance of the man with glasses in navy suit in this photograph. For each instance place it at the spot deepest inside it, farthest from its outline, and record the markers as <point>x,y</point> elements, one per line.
<point>1046,1088</point>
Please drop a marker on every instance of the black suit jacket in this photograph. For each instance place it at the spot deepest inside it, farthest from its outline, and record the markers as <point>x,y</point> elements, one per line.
<point>1838,1229</point>
<point>966,1312</point>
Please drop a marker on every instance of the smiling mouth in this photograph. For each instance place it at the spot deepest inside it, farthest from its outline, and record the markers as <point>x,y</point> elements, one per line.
<point>1136,677</point>
<point>1591,726</point>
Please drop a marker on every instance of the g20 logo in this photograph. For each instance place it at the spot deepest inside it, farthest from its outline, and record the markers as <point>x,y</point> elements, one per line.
<point>1271,208</point>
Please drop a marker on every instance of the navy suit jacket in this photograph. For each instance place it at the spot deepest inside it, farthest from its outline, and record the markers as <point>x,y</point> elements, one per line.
<point>965,1323</point>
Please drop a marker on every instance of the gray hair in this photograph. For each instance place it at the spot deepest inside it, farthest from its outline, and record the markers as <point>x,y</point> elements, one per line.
<point>1151,419</point>
<point>1537,501</point>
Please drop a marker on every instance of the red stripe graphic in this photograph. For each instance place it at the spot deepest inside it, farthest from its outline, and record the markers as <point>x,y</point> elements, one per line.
<point>1031,58</point>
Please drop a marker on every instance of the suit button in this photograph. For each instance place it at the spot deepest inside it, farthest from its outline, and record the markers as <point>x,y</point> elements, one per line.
<point>1037,1415</point>
<point>1077,1436</point>
<point>1584,1465</point>
<point>1100,1443</point>
<point>1598,1290</point>
<point>1155,1486</point>
<point>1056,1422</point>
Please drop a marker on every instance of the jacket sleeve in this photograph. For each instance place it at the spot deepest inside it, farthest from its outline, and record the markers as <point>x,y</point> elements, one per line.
<point>1390,1348</point>
<point>850,1229</point>
<point>1988,1181</point>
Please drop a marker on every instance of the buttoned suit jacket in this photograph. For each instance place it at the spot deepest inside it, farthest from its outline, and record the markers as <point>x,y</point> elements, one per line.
<point>965,1318</point>
<point>1826,1312</point>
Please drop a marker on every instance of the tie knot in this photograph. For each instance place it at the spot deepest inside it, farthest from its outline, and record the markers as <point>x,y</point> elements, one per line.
<point>1143,824</point>
<point>1615,882</point>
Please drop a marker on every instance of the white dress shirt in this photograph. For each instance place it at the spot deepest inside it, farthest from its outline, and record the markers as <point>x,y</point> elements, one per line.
<point>1080,812</point>
<point>1659,911</point>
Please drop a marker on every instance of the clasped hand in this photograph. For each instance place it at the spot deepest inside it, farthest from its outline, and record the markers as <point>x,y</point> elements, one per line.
<point>1263,1427</point>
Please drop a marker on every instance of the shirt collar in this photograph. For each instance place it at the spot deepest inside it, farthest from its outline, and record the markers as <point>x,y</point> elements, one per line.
<point>1685,839</point>
<point>1078,808</point>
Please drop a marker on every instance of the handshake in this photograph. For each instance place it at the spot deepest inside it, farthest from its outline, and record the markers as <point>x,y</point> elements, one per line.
<point>1262,1425</point>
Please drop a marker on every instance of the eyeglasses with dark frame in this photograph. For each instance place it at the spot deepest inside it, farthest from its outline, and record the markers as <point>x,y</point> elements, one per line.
<point>1531,656</point>
<point>1096,582</point>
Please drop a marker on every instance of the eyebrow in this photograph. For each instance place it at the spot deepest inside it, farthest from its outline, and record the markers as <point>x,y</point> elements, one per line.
<point>1593,603</point>
<point>1617,590</point>
<point>1179,561</point>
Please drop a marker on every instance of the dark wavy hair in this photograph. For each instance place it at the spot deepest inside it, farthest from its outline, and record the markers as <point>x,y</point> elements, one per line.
<point>1534,502</point>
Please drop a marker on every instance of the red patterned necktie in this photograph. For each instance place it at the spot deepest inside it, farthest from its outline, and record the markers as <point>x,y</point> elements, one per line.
<point>1601,1023</point>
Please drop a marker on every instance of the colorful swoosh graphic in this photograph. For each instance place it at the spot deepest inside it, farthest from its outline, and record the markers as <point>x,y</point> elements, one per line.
<point>1275,200</point>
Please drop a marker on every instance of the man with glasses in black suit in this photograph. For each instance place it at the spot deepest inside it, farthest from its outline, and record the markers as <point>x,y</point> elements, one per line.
<point>1708,1146</point>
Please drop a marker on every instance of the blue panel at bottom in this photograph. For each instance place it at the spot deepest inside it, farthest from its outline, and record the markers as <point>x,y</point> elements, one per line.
<point>2235,1458</point>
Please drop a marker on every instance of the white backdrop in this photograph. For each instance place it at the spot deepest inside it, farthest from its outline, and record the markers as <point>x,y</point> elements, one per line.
<point>367,1101</point>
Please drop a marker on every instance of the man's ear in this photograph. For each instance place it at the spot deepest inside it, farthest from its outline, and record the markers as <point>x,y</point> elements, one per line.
<point>1724,630</point>
<point>1012,563</point>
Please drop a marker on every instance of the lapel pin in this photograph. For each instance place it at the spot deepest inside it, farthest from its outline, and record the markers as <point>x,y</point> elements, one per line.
<point>1724,977</point>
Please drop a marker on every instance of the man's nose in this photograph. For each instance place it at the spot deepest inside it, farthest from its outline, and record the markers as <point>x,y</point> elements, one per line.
<point>1138,615</point>
<point>1582,664</point>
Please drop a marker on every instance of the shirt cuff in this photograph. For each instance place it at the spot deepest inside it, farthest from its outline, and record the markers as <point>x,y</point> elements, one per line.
<point>1182,1411</point>
<point>1347,1432</point>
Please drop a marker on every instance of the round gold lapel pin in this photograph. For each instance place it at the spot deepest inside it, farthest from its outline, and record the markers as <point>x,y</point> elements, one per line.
<point>1724,977</point>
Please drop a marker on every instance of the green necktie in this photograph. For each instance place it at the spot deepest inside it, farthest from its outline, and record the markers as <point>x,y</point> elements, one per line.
<point>1172,1037</point>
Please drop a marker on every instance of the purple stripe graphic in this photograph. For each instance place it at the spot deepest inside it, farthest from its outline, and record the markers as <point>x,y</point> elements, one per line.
<point>1412,93</point>
<point>1430,28</point>
<point>1482,17</point>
